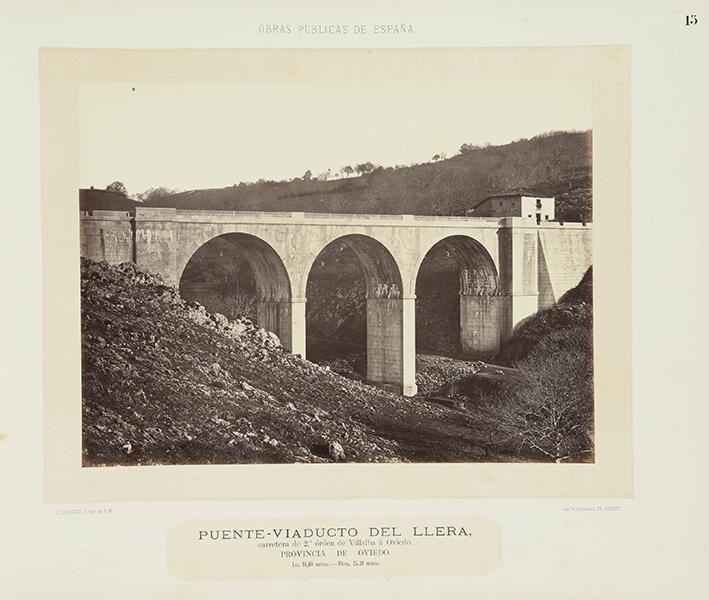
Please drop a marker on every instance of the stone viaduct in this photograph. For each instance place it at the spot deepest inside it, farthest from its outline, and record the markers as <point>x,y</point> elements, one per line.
<point>509,268</point>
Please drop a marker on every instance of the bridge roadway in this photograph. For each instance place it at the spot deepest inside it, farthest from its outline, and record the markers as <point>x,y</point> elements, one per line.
<point>510,267</point>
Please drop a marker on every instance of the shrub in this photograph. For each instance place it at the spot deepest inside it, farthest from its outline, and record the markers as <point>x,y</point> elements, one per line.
<point>232,305</point>
<point>552,414</point>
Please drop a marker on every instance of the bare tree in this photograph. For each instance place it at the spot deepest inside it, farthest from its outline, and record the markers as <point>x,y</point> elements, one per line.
<point>552,414</point>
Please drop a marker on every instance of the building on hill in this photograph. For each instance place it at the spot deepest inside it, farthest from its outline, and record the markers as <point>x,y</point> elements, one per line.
<point>96,199</point>
<point>515,204</point>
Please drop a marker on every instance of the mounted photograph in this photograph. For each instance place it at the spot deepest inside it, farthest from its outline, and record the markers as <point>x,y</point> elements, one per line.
<point>314,271</point>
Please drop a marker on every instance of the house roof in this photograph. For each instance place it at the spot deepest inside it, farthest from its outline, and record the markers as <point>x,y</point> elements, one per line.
<point>512,194</point>
<point>91,199</point>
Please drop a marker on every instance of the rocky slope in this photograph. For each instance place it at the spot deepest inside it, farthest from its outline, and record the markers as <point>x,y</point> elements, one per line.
<point>166,382</point>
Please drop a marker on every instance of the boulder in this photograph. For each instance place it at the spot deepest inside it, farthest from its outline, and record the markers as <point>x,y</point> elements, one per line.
<point>335,451</point>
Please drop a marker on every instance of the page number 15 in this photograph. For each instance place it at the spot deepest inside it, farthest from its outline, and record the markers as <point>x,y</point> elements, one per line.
<point>690,20</point>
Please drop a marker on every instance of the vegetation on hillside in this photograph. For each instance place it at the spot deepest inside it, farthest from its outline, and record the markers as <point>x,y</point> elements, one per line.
<point>556,164</point>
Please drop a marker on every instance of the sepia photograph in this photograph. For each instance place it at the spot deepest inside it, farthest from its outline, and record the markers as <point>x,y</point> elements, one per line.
<point>312,277</point>
<point>311,300</point>
<point>323,272</point>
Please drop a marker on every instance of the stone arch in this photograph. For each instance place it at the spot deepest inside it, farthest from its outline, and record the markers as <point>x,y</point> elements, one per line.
<point>381,271</point>
<point>272,279</point>
<point>273,283</point>
<point>387,364</point>
<point>481,304</point>
<point>478,272</point>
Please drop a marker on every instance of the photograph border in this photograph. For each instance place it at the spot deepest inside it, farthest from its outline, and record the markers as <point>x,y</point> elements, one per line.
<point>607,67</point>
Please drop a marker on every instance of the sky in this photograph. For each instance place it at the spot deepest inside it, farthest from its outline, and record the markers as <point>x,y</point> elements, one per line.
<point>190,135</point>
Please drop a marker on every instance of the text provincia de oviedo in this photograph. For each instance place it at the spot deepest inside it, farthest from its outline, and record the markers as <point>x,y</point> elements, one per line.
<point>336,29</point>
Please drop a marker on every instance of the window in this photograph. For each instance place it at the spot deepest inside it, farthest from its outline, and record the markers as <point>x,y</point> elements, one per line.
<point>539,203</point>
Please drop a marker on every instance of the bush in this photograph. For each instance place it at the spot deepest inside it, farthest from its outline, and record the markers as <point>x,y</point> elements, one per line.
<point>232,305</point>
<point>547,408</point>
<point>552,413</point>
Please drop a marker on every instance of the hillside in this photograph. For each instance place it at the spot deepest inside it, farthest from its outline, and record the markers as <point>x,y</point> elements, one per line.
<point>165,382</point>
<point>572,314</point>
<point>557,164</point>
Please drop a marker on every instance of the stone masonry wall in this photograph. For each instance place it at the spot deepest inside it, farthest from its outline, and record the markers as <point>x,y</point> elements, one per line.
<point>565,253</point>
<point>384,340</point>
<point>480,324</point>
<point>107,235</point>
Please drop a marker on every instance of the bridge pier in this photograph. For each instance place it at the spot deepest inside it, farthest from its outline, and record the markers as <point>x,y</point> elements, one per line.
<point>518,272</point>
<point>481,320</point>
<point>408,337</point>
<point>391,344</point>
<point>287,320</point>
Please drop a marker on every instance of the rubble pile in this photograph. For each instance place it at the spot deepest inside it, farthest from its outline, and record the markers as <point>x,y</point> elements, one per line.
<point>166,382</point>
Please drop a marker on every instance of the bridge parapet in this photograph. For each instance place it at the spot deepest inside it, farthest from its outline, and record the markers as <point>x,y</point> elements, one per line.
<point>338,218</point>
<point>105,214</point>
